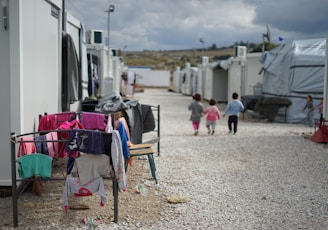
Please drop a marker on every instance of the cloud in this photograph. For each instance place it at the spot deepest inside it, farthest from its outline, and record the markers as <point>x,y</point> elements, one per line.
<point>178,24</point>
<point>299,16</point>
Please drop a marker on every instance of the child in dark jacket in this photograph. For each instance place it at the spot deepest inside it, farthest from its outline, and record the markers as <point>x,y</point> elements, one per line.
<point>197,110</point>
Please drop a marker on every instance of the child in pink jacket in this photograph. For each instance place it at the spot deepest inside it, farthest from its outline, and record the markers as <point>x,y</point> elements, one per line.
<point>213,114</point>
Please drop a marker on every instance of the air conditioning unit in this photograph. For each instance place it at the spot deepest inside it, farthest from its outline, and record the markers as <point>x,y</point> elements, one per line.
<point>240,52</point>
<point>114,52</point>
<point>94,36</point>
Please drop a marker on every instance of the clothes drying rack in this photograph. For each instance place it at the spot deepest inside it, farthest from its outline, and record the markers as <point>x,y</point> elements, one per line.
<point>15,140</point>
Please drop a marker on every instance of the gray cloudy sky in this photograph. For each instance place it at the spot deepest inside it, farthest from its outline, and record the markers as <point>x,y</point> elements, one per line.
<point>179,24</point>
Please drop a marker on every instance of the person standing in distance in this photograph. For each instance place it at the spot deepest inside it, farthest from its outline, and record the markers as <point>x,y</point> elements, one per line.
<point>233,108</point>
<point>197,110</point>
<point>309,108</point>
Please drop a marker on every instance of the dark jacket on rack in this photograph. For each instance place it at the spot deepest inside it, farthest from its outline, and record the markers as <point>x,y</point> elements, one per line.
<point>71,77</point>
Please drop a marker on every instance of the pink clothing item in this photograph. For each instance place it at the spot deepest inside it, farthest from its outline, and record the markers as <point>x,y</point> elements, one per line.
<point>213,113</point>
<point>93,121</point>
<point>67,125</point>
<point>109,127</point>
<point>60,118</point>
<point>195,125</point>
<point>319,107</point>
<point>53,121</point>
<point>26,147</point>
<point>47,122</point>
<point>52,145</point>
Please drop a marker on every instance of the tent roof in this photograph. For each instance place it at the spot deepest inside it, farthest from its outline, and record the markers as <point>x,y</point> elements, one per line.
<point>301,52</point>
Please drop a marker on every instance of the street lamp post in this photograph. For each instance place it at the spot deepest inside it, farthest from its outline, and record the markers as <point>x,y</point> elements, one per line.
<point>201,40</point>
<point>110,9</point>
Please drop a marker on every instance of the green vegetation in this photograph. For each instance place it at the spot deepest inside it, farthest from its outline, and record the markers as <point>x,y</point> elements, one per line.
<point>169,60</point>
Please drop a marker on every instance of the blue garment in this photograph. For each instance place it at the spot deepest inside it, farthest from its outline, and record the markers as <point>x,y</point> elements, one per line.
<point>41,144</point>
<point>124,139</point>
<point>69,166</point>
<point>234,107</point>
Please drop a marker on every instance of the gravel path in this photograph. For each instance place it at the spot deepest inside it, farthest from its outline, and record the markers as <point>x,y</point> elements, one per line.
<point>268,176</point>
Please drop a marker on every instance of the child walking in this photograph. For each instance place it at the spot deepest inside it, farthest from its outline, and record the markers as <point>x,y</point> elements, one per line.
<point>233,108</point>
<point>310,109</point>
<point>213,114</point>
<point>197,110</point>
<point>320,108</point>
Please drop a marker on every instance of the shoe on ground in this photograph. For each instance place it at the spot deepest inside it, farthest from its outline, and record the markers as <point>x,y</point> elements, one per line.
<point>229,132</point>
<point>212,132</point>
<point>142,158</point>
<point>196,132</point>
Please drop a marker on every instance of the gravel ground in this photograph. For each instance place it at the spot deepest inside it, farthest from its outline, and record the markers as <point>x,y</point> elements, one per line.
<point>268,176</point>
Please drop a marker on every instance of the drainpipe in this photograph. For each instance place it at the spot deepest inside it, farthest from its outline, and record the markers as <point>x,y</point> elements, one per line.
<point>64,17</point>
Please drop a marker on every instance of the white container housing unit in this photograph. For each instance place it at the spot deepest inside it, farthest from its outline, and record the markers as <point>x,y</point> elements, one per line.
<point>187,80</point>
<point>30,76</point>
<point>238,74</point>
<point>177,80</point>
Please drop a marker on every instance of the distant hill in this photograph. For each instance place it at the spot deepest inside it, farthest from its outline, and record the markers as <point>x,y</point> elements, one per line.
<point>169,60</point>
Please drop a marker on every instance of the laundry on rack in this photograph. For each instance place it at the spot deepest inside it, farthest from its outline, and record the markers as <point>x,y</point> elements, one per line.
<point>88,141</point>
<point>53,121</point>
<point>124,139</point>
<point>91,166</point>
<point>122,120</point>
<point>41,144</point>
<point>47,122</point>
<point>148,119</point>
<point>141,120</point>
<point>69,125</point>
<point>36,164</point>
<point>52,144</point>
<point>73,186</point>
<point>109,126</point>
<point>26,146</point>
<point>91,120</point>
<point>111,104</point>
<point>134,115</point>
<point>33,166</point>
<point>62,135</point>
<point>118,160</point>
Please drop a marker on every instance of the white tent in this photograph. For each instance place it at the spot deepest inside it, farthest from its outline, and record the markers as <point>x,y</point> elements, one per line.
<point>292,71</point>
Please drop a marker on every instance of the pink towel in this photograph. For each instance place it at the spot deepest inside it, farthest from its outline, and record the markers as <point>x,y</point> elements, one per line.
<point>93,121</point>
<point>53,150</point>
<point>26,147</point>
